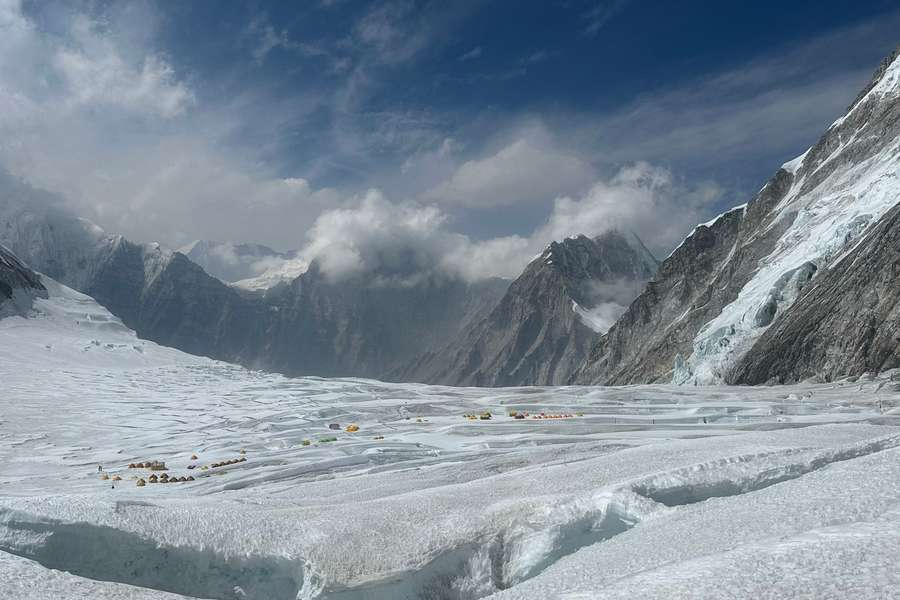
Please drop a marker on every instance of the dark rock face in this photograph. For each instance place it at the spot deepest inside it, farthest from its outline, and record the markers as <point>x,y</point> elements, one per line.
<point>541,330</point>
<point>692,285</point>
<point>662,320</point>
<point>167,298</point>
<point>311,326</point>
<point>735,279</point>
<point>355,327</point>
<point>846,323</point>
<point>19,285</point>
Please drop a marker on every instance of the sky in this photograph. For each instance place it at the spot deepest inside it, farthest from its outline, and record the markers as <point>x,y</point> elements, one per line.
<point>467,134</point>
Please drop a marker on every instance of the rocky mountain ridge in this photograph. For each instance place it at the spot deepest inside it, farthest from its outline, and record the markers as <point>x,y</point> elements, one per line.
<point>797,283</point>
<point>310,326</point>
<point>715,298</point>
<point>543,327</point>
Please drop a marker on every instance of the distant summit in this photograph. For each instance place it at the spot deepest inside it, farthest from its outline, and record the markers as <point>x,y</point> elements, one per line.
<point>232,262</point>
<point>543,328</point>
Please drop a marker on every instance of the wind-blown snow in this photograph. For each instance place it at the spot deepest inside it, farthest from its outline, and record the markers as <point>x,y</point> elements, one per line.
<point>645,486</point>
<point>600,317</point>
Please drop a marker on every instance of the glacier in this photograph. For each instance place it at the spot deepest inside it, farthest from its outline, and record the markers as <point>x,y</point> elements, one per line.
<point>652,491</point>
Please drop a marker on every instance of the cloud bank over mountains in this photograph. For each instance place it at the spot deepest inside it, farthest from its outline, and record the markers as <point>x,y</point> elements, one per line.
<point>415,240</point>
<point>145,134</point>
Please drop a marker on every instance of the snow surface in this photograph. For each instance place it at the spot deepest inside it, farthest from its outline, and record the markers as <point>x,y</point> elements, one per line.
<point>71,329</point>
<point>277,271</point>
<point>642,491</point>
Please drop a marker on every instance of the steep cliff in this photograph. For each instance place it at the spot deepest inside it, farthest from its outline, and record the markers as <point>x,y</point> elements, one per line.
<point>733,278</point>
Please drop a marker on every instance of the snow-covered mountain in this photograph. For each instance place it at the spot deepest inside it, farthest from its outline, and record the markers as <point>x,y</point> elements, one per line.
<point>310,326</point>
<point>542,329</point>
<point>231,262</point>
<point>729,304</point>
<point>62,328</point>
<point>705,318</point>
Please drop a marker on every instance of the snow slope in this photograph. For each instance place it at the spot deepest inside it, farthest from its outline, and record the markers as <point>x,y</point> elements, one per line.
<point>69,328</point>
<point>644,486</point>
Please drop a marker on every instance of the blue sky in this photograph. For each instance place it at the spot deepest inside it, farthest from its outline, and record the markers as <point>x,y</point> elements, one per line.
<point>497,124</point>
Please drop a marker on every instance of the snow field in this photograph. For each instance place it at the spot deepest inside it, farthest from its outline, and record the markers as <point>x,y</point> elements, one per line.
<point>420,502</point>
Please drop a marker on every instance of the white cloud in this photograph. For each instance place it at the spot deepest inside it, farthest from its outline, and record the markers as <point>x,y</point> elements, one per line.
<point>264,38</point>
<point>601,13</point>
<point>227,199</point>
<point>398,242</point>
<point>95,73</point>
<point>168,176</point>
<point>389,31</point>
<point>408,242</point>
<point>104,120</point>
<point>471,54</point>
<point>40,73</point>
<point>520,173</point>
<point>642,198</point>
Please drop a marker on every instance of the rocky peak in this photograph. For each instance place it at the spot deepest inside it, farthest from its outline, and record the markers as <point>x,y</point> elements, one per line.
<point>585,264</point>
<point>879,74</point>
<point>542,328</point>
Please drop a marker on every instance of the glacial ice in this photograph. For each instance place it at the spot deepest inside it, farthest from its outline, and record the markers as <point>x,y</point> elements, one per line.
<point>627,488</point>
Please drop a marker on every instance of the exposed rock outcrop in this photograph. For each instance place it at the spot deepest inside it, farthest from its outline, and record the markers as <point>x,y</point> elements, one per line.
<point>19,285</point>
